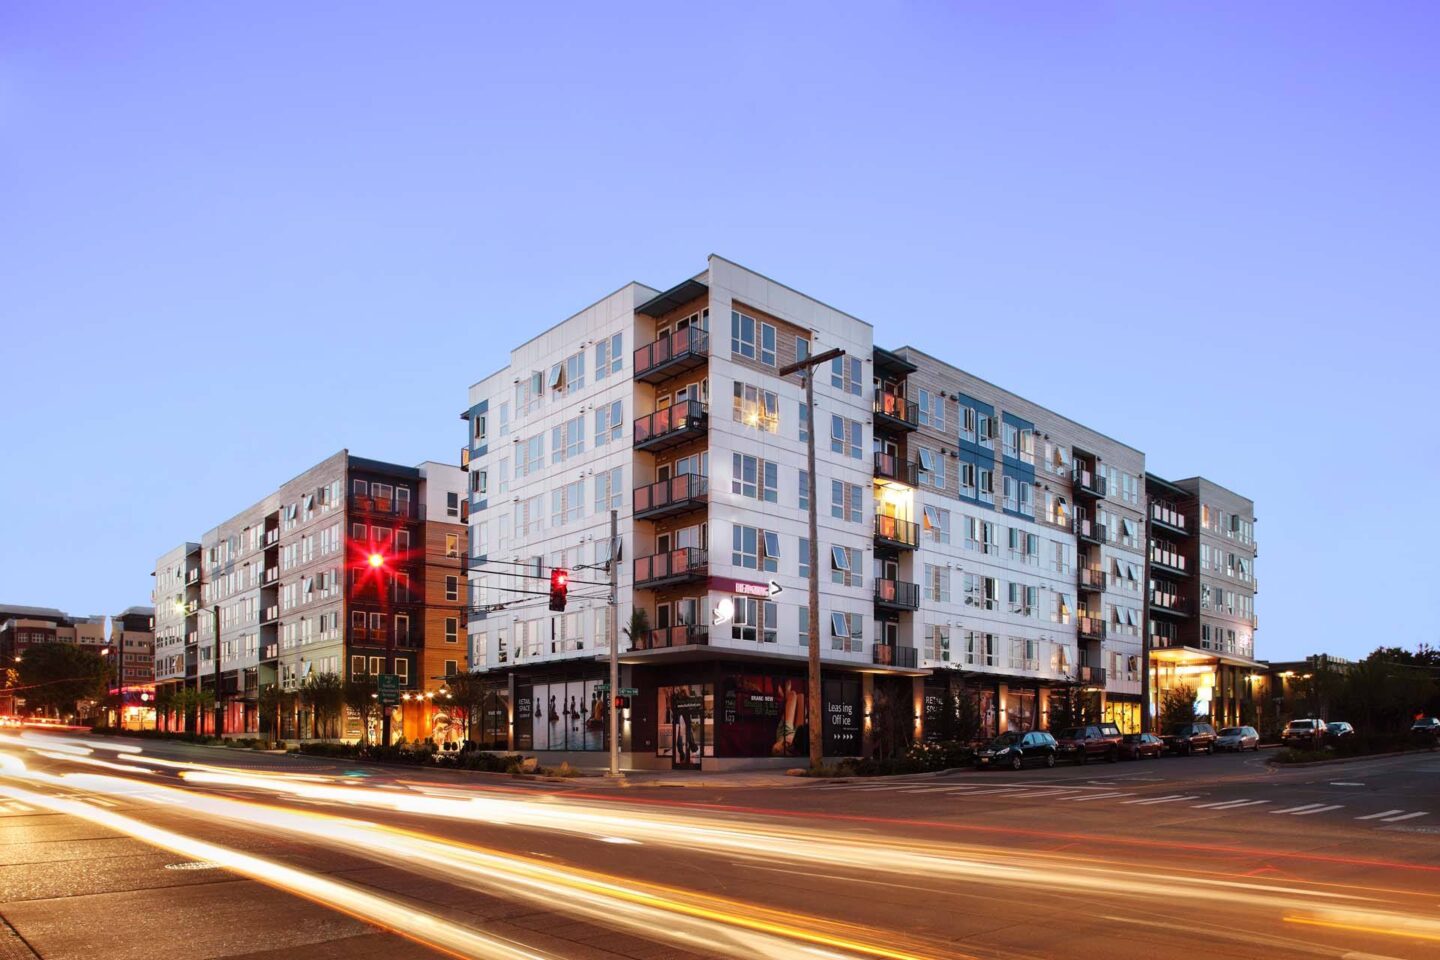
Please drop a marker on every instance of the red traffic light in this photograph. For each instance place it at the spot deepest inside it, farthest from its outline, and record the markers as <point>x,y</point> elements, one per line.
<point>559,586</point>
<point>376,560</point>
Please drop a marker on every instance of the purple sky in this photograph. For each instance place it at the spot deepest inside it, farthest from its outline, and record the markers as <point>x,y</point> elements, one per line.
<point>235,238</point>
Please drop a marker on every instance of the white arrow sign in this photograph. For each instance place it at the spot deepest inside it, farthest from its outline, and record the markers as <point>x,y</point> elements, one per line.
<point>776,589</point>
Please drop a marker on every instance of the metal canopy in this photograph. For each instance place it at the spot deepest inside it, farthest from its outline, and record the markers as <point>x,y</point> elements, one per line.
<point>675,297</point>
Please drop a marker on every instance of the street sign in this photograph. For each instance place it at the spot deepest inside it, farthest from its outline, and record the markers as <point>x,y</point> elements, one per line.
<point>388,686</point>
<point>624,691</point>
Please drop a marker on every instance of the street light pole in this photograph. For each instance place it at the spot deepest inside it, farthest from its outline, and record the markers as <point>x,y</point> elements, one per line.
<point>614,632</point>
<point>812,699</point>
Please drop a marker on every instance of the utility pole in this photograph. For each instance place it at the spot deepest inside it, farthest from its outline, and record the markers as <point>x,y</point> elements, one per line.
<point>812,698</point>
<point>219,700</point>
<point>614,632</point>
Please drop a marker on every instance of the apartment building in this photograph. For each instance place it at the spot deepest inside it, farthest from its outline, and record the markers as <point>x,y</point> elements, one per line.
<point>969,539</point>
<point>1201,597</point>
<point>24,627</point>
<point>352,569</point>
<point>131,653</point>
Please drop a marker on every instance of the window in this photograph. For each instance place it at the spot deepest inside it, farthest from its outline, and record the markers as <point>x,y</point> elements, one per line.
<point>402,670</point>
<point>752,339</point>
<point>452,631</point>
<point>754,478</point>
<point>770,547</point>
<point>609,356</point>
<point>530,456</point>
<point>452,544</point>
<point>1060,607</point>
<point>755,620</point>
<point>931,407</point>
<point>1027,498</point>
<point>804,423</point>
<point>937,583</point>
<point>804,554</point>
<point>967,478</point>
<point>574,372</point>
<point>567,503</point>
<point>609,420</point>
<point>754,549</point>
<point>802,348</point>
<point>804,498</point>
<point>989,538</point>
<point>1059,556</point>
<point>847,631</point>
<point>845,566</point>
<point>608,485</point>
<point>845,436</point>
<point>987,485</point>
<point>1010,440</point>
<point>937,524</point>
<point>845,373</point>
<point>932,468</point>
<point>985,431</point>
<point>1012,493</point>
<point>755,407</point>
<point>967,423</point>
<point>980,648</point>
<point>567,440</point>
<point>983,593</point>
<point>845,501</point>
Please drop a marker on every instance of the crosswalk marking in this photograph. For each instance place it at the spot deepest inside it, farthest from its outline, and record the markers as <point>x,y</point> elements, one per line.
<point>1299,809</point>
<point>1408,816</point>
<point>1320,809</point>
<point>1174,798</point>
<point>1100,796</point>
<point>1382,813</point>
<point>1229,804</point>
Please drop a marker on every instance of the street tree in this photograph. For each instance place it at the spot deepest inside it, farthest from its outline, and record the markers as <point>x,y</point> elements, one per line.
<point>54,676</point>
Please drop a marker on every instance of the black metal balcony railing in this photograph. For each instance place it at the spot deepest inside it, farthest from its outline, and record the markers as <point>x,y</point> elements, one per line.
<point>676,566</point>
<point>385,506</point>
<point>1088,482</point>
<point>670,355</point>
<point>1166,516</point>
<point>887,655</point>
<point>665,638</point>
<point>1089,530</point>
<point>1092,675</point>
<point>890,467</point>
<point>1169,559</point>
<point>895,532</point>
<point>1092,579</point>
<point>895,411</point>
<point>1169,603</point>
<point>672,426</point>
<point>1090,628</point>
<point>665,498</point>
<point>897,594</point>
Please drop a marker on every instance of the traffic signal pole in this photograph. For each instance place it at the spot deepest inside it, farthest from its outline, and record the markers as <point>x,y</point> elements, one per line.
<point>614,632</point>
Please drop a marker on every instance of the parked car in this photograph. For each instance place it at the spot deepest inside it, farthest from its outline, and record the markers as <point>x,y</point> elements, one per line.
<point>1338,730</point>
<point>1096,741</point>
<point>1138,746</point>
<point>1238,739</point>
<point>1427,727</point>
<point>1188,738</point>
<point>1304,734</point>
<point>1016,750</point>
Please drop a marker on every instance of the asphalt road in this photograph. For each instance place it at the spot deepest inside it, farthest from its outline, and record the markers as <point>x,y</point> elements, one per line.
<point>188,852</point>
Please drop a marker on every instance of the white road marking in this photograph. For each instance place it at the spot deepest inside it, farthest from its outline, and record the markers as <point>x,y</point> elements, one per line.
<point>1382,813</point>
<point>1101,796</point>
<point>1344,783</point>
<point>1230,804</point>
<point>1299,809</point>
<point>1323,809</point>
<point>1171,799</point>
<point>1408,816</point>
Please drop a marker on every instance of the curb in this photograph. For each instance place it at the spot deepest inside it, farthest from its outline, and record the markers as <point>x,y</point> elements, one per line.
<point>1270,761</point>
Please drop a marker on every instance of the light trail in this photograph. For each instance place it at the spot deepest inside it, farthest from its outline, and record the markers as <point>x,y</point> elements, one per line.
<point>692,920</point>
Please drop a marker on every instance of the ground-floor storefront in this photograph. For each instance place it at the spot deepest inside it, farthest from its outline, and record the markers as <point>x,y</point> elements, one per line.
<point>1227,690</point>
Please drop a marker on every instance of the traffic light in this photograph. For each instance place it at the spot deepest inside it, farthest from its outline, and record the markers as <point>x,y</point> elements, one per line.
<point>622,703</point>
<point>559,584</point>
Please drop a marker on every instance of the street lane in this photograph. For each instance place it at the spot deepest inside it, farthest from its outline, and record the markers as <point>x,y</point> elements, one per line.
<point>895,869</point>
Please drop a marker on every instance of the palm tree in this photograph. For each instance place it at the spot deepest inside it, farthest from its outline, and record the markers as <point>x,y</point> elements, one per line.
<point>638,627</point>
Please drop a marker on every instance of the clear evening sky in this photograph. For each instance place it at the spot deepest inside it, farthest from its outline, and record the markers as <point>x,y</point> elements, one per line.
<point>235,238</point>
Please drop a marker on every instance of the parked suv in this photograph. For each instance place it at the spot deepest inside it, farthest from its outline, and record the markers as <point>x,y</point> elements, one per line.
<point>1306,734</point>
<point>1188,738</point>
<point>1097,741</point>
<point>1015,750</point>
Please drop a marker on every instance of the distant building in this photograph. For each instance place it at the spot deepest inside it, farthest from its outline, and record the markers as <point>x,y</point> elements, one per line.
<point>132,661</point>
<point>126,646</point>
<point>353,568</point>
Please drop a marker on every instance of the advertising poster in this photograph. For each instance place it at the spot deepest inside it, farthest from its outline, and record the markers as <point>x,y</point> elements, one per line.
<point>763,716</point>
<point>568,715</point>
<point>841,716</point>
<point>686,718</point>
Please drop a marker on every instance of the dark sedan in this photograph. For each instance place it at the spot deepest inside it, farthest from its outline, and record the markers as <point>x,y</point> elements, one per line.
<point>1139,746</point>
<point>1016,750</point>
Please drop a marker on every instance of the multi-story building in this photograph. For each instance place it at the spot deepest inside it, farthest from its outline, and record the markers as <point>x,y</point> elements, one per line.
<point>329,574</point>
<point>24,627</point>
<point>1201,603</point>
<point>131,653</point>
<point>968,538</point>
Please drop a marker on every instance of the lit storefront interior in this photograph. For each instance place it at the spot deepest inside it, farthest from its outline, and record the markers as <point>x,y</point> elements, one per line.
<point>1229,689</point>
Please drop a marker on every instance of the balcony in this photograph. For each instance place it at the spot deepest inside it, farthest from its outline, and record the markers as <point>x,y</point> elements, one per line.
<point>897,533</point>
<point>677,566</point>
<point>1167,559</point>
<point>272,537</point>
<point>896,594</point>
<point>1092,676</point>
<point>384,506</point>
<point>1166,517</point>
<point>1092,579</point>
<point>272,575</point>
<point>680,352</point>
<point>890,467</point>
<point>1090,628</point>
<point>894,412</point>
<point>666,638</point>
<point>1089,531</point>
<point>666,498</point>
<point>270,615</point>
<point>464,458</point>
<point>885,655</point>
<point>1171,603</point>
<point>1088,482</point>
<point>672,426</point>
